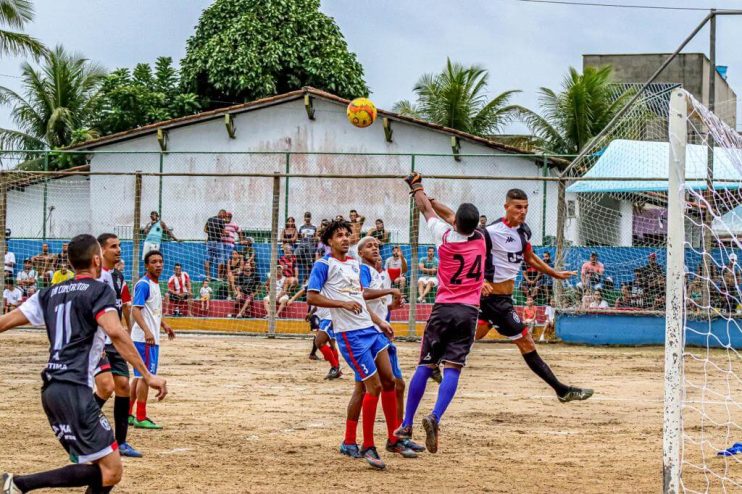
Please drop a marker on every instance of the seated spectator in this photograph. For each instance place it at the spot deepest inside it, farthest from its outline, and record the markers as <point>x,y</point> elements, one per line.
<point>179,290</point>
<point>529,314</point>
<point>625,300</point>
<point>545,284</point>
<point>428,277</point>
<point>205,296</point>
<point>592,275</point>
<point>9,265</point>
<point>396,266</point>
<point>43,263</point>
<point>12,296</point>
<point>245,248</point>
<point>234,266</point>
<point>245,285</point>
<point>654,279</point>
<point>694,302</point>
<point>482,221</point>
<point>290,234</point>
<point>531,279</point>
<point>288,261</point>
<point>379,233</point>
<point>730,286</point>
<point>550,322</point>
<point>282,296</point>
<point>638,290</point>
<point>64,273</point>
<point>598,302</point>
<point>27,279</point>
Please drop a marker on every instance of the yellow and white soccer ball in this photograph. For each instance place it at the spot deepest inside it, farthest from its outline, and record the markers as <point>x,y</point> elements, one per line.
<point>361,112</point>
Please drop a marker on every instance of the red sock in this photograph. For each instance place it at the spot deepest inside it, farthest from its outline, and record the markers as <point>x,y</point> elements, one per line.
<point>389,405</point>
<point>335,352</point>
<point>350,431</point>
<point>329,356</point>
<point>141,410</point>
<point>131,406</point>
<point>369,417</point>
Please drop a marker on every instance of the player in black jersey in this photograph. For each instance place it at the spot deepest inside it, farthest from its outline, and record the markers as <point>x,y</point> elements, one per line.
<point>78,314</point>
<point>112,373</point>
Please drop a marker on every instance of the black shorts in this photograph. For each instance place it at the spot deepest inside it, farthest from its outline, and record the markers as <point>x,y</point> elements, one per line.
<point>498,310</point>
<point>449,334</point>
<point>112,362</point>
<point>78,422</point>
<point>313,322</point>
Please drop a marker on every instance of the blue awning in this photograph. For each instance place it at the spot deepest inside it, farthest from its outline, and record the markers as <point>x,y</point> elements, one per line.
<point>637,159</point>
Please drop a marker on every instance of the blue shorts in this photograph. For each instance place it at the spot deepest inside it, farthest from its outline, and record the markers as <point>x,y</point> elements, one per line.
<point>325,325</point>
<point>214,252</point>
<point>226,252</point>
<point>360,348</point>
<point>394,360</point>
<point>150,355</point>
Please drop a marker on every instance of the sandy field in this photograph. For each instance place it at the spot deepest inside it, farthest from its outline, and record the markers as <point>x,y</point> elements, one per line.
<point>249,414</point>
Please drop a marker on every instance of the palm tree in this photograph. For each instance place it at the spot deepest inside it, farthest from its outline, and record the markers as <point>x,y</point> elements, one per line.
<point>59,97</point>
<point>572,117</point>
<point>456,98</point>
<point>15,14</point>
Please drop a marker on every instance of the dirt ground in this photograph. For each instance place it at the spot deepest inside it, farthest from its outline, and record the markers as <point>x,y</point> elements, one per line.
<point>255,415</point>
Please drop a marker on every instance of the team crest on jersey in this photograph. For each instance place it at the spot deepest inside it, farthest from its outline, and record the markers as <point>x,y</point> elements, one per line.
<point>515,317</point>
<point>104,423</point>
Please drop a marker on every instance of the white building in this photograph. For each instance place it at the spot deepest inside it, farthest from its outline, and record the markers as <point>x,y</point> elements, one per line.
<point>304,132</point>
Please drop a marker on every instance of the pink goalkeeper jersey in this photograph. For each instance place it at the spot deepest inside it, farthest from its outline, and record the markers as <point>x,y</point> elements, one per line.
<point>460,264</point>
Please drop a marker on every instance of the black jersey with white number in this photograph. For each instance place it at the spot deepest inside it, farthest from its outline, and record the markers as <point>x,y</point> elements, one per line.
<point>505,248</point>
<point>70,311</point>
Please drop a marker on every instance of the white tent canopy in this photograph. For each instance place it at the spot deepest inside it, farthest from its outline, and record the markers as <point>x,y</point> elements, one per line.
<point>645,159</point>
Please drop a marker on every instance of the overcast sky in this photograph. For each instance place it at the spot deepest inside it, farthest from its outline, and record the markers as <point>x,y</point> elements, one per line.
<point>523,45</point>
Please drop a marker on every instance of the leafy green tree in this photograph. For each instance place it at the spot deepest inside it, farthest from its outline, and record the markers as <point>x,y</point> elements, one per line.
<point>131,99</point>
<point>57,101</point>
<point>457,98</point>
<point>572,117</point>
<point>248,49</point>
<point>15,14</point>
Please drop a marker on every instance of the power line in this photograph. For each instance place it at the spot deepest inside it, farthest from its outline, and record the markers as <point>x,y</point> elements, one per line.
<point>618,6</point>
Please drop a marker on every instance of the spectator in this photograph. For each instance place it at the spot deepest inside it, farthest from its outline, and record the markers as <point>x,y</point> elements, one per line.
<point>246,249</point>
<point>282,296</point>
<point>63,274</point>
<point>290,234</point>
<point>638,290</point>
<point>11,296</point>
<point>549,323</point>
<point>154,231</point>
<point>379,233</point>
<point>9,265</point>
<point>592,274</point>
<point>545,284</point>
<point>119,266</point>
<point>234,266</point>
<point>61,258</point>
<point>597,301</point>
<point>428,274</point>
<point>625,300</point>
<point>531,279</point>
<point>482,221</point>
<point>179,290</point>
<point>396,266</point>
<point>43,263</point>
<point>654,279</point>
<point>214,230</point>
<point>322,249</point>
<point>205,296</point>
<point>356,227</point>
<point>288,261</point>
<point>308,235</point>
<point>230,237</point>
<point>529,314</point>
<point>27,279</point>
<point>245,285</point>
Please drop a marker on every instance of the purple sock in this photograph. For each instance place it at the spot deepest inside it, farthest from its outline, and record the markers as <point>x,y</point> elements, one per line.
<point>446,391</point>
<point>415,392</point>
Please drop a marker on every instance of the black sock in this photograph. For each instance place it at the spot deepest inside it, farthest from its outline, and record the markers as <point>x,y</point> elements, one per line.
<point>100,401</point>
<point>314,347</point>
<point>542,370</point>
<point>69,476</point>
<point>101,490</point>
<point>121,418</point>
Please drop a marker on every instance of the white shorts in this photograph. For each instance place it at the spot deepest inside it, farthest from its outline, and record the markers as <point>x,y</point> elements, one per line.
<point>281,300</point>
<point>149,246</point>
<point>428,279</point>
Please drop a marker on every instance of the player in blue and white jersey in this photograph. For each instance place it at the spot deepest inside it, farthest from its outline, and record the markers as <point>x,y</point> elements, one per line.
<point>335,283</point>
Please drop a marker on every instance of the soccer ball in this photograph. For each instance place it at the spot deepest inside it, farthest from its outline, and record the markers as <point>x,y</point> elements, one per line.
<point>361,112</point>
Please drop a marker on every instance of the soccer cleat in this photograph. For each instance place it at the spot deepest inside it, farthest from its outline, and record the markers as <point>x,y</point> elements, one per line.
<point>410,444</point>
<point>578,394</point>
<point>404,432</point>
<point>126,450</point>
<point>132,419</point>
<point>351,450</point>
<point>734,450</point>
<point>9,486</point>
<point>313,356</point>
<point>334,373</point>
<point>401,448</point>
<point>373,458</point>
<point>147,423</point>
<point>430,424</point>
<point>436,375</point>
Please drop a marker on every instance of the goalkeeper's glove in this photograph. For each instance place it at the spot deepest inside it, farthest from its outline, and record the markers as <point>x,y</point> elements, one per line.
<point>415,181</point>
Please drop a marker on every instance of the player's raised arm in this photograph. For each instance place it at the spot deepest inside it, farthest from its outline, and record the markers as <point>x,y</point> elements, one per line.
<point>533,260</point>
<point>446,214</point>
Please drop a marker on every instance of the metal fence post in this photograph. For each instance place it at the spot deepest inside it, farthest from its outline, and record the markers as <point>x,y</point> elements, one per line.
<point>46,194</point>
<point>286,192</point>
<point>413,239</point>
<point>3,223</point>
<point>274,256</point>
<point>561,225</point>
<point>136,228</point>
<point>544,188</point>
<point>159,197</point>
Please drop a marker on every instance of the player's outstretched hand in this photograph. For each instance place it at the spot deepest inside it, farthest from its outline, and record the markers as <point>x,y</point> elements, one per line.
<point>353,307</point>
<point>387,329</point>
<point>157,383</point>
<point>414,180</point>
<point>170,333</point>
<point>563,275</point>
